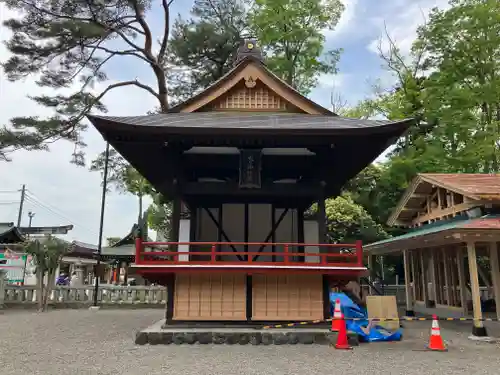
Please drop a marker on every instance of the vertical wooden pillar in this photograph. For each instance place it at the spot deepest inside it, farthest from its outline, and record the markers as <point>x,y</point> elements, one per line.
<point>409,297</point>
<point>170,282</point>
<point>447,277</point>
<point>425,284</point>
<point>478,328</point>
<point>176,220</point>
<point>273,233</point>
<point>220,227</point>
<point>411,255</point>
<point>370,279</point>
<point>461,280</point>
<point>193,224</point>
<point>246,237</point>
<point>495,274</point>
<point>321,221</point>
<point>434,276</point>
<point>326,297</point>
<point>454,280</point>
<point>169,311</point>
<point>300,232</point>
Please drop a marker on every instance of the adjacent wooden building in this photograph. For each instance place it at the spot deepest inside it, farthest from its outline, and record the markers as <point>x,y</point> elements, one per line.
<point>453,221</point>
<point>246,157</point>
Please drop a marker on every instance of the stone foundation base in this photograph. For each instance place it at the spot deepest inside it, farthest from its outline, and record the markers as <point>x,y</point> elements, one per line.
<point>260,337</point>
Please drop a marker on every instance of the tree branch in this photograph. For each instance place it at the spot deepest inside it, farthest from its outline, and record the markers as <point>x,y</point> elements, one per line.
<point>91,20</point>
<point>166,13</point>
<point>148,42</point>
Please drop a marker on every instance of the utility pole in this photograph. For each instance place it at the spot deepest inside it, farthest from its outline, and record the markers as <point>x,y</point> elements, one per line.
<point>21,204</point>
<point>101,228</point>
<point>30,215</point>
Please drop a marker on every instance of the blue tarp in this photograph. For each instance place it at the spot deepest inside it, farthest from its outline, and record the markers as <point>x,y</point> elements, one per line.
<point>360,327</point>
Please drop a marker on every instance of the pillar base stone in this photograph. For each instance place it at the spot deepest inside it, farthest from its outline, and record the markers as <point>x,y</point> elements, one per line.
<point>479,331</point>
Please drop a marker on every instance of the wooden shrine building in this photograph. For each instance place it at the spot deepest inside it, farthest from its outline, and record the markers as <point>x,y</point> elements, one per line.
<point>454,230</point>
<point>247,156</point>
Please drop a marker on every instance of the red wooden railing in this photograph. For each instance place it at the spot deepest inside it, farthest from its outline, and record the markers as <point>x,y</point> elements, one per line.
<point>212,253</point>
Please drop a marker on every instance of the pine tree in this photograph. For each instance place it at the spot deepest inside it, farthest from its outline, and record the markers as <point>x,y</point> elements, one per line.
<point>61,42</point>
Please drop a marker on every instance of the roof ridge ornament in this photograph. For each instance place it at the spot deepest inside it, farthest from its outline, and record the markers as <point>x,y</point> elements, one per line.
<point>248,48</point>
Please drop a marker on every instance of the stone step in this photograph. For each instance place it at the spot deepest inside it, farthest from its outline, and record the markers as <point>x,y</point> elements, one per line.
<point>240,336</point>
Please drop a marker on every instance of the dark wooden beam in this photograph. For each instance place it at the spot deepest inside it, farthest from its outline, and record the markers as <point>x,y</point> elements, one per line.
<point>278,201</point>
<point>219,227</point>
<point>225,189</point>
<point>273,229</point>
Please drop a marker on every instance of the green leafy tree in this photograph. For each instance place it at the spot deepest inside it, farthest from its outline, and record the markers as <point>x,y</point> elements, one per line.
<point>348,221</point>
<point>65,42</point>
<point>160,216</point>
<point>291,33</point>
<point>123,176</point>
<point>47,255</point>
<point>462,49</point>
<point>203,48</point>
<point>126,179</point>
<point>112,240</point>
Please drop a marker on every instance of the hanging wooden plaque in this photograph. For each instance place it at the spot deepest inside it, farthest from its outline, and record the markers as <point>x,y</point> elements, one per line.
<point>250,168</point>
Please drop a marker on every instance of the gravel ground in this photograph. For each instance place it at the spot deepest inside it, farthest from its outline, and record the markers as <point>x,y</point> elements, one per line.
<point>84,342</point>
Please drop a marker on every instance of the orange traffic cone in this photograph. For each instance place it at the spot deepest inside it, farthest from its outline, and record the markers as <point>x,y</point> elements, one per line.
<point>436,341</point>
<point>342,341</point>
<point>337,317</point>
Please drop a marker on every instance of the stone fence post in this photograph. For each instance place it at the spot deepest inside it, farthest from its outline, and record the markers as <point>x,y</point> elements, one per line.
<point>2,286</point>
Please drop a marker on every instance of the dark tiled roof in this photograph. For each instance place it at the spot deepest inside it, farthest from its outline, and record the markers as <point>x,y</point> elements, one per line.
<point>10,233</point>
<point>224,120</point>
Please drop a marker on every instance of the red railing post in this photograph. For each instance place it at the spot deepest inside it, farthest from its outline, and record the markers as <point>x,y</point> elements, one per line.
<point>323,256</point>
<point>138,250</point>
<point>212,254</point>
<point>359,252</point>
<point>285,252</point>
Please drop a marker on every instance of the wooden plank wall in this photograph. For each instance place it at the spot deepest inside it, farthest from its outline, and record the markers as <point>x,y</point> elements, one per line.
<point>210,297</point>
<point>290,297</point>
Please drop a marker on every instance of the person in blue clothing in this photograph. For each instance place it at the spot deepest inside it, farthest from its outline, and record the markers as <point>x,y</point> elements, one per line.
<point>62,280</point>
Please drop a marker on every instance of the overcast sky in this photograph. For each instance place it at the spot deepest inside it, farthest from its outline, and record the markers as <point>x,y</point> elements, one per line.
<point>60,193</point>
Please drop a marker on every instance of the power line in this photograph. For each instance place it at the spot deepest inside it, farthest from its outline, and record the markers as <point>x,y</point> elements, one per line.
<point>30,197</point>
<point>8,203</point>
<point>8,191</point>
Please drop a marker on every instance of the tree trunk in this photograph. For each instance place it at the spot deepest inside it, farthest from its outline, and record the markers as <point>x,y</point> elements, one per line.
<point>39,287</point>
<point>48,288</point>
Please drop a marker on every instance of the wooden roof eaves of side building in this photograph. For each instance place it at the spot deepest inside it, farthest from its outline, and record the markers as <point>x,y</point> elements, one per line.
<point>250,66</point>
<point>410,190</point>
<point>420,178</point>
<point>448,228</point>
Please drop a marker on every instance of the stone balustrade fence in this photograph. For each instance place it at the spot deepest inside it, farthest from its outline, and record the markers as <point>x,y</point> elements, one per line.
<point>81,296</point>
